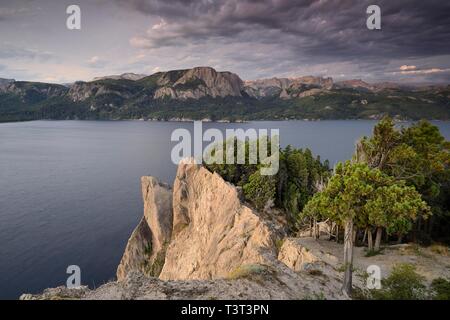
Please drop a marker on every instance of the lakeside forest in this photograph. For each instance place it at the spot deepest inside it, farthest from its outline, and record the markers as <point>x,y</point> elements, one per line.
<point>394,190</point>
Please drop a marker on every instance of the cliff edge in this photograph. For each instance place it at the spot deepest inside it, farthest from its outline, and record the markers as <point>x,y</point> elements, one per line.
<point>200,241</point>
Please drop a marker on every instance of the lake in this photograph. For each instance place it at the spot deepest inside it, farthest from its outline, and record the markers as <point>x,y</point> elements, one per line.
<point>70,190</point>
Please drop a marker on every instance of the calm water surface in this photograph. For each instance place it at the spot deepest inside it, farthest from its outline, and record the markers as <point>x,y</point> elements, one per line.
<point>70,190</point>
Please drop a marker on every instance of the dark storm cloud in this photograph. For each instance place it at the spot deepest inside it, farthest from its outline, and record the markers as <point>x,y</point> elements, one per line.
<point>254,38</point>
<point>314,31</point>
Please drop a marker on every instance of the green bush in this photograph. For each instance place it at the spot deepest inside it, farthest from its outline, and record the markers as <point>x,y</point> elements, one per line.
<point>440,289</point>
<point>402,284</point>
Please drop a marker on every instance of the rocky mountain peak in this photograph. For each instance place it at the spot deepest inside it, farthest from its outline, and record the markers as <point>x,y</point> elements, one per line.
<point>287,88</point>
<point>198,82</point>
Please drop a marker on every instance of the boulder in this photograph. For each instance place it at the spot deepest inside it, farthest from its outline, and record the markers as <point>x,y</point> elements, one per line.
<point>306,254</point>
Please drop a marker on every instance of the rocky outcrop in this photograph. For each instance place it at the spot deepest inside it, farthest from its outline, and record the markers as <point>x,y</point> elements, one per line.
<point>145,250</point>
<point>137,252</point>
<point>258,286</point>
<point>305,254</point>
<point>81,91</point>
<point>213,232</point>
<point>197,83</point>
<point>157,198</point>
<point>31,92</point>
<point>219,242</point>
<point>220,248</point>
<point>288,88</point>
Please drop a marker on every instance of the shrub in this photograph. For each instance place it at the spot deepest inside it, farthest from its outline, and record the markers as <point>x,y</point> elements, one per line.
<point>402,284</point>
<point>440,289</point>
<point>249,271</point>
<point>371,253</point>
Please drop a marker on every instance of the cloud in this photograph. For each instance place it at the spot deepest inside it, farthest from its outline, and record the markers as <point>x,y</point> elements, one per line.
<point>305,32</point>
<point>327,28</point>
<point>253,38</point>
<point>414,70</point>
<point>159,25</point>
<point>407,68</point>
<point>8,51</point>
<point>96,62</point>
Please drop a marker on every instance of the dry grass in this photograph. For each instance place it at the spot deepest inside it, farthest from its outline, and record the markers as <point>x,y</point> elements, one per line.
<point>249,271</point>
<point>439,249</point>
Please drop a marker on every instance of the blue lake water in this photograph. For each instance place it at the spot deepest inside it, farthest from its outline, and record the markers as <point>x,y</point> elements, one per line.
<point>70,190</point>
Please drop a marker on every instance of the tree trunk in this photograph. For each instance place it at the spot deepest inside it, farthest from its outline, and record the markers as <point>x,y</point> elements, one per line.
<point>378,238</point>
<point>430,225</point>
<point>337,233</point>
<point>348,257</point>
<point>369,240</point>
<point>330,233</point>
<point>315,228</point>
<point>364,236</point>
<point>310,227</point>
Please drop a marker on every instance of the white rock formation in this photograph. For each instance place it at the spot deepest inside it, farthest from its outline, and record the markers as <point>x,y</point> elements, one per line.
<point>145,250</point>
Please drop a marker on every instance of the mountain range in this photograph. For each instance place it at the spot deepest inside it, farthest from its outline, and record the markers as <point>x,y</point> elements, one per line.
<point>204,93</point>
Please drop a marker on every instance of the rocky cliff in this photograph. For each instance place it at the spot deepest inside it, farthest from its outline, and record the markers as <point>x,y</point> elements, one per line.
<point>288,88</point>
<point>200,241</point>
<point>197,83</point>
<point>145,250</point>
<point>213,232</point>
<point>32,91</point>
<point>193,83</point>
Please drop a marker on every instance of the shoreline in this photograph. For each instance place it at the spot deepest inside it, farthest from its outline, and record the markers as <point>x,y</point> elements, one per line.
<point>222,121</point>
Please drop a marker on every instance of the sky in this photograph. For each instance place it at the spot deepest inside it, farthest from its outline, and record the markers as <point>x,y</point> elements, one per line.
<point>253,38</point>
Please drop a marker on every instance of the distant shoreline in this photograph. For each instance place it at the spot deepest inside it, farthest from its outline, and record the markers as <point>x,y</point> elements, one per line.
<point>220,121</point>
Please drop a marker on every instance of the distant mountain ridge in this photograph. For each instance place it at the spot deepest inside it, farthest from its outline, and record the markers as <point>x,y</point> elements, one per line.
<point>125,76</point>
<point>203,92</point>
